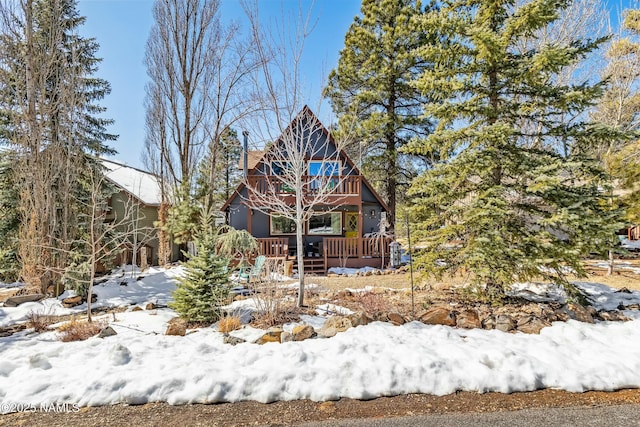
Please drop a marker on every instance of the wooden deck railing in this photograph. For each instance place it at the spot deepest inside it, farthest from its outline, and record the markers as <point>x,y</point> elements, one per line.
<point>356,247</point>
<point>273,247</point>
<point>334,185</point>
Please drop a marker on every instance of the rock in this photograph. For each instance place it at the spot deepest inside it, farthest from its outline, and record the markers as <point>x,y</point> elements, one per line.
<point>624,290</point>
<point>504,323</point>
<point>531,324</point>
<point>333,325</point>
<point>438,316</point>
<point>107,332</point>
<point>136,308</point>
<point>333,275</point>
<point>612,316</point>
<point>468,319</point>
<point>230,339</point>
<point>94,298</point>
<point>21,299</point>
<point>579,313</point>
<point>396,318</point>
<point>488,322</point>
<point>176,326</point>
<point>359,319</point>
<point>150,306</point>
<point>344,294</point>
<point>72,301</point>
<point>272,335</point>
<point>559,315</point>
<point>286,337</point>
<point>303,332</point>
<point>55,290</point>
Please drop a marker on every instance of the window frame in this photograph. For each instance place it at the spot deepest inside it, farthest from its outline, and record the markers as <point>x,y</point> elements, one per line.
<point>322,166</point>
<point>271,230</point>
<point>337,214</point>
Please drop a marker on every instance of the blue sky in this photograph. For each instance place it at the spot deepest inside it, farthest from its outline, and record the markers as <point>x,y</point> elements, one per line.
<point>121,27</point>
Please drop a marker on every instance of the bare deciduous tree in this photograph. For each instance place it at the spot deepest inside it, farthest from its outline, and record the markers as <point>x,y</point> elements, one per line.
<point>198,69</point>
<point>292,134</point>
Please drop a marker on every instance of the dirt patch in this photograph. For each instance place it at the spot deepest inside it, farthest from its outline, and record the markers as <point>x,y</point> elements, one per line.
<point>299,411</point>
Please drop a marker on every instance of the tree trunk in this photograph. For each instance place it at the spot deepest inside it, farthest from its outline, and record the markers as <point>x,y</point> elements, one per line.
<point>300,256</point>
<point>610,266</point>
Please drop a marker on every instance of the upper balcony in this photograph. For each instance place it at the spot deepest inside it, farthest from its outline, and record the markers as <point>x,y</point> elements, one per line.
<point>342,190</point>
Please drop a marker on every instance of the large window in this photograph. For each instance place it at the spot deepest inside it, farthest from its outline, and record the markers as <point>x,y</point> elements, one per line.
<point>281,225</point>
<point>324,168</point>
<point>326,224</point>
<point>279,167</point>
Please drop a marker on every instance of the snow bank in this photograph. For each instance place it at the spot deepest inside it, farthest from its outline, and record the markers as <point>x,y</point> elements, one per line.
<point>120,289</point>
<point>362,363</point>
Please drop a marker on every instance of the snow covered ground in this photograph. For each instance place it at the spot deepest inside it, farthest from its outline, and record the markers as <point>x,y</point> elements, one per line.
<point>140,364</point>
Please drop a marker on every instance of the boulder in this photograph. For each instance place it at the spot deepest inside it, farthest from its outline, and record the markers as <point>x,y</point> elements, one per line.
<point>579,313</point>
<point>468,319</point>
<point>150,306</point>
<point>333,325</point>
<point>438,316</point>
<point>55,290</point>
<point>359,319</point>
<point>136,308</point>
<point>272,335</point>
<point>72,301</point>
<point>488,322</point>
<point>21,299</point>
<point>396,318</point>
<point>176,326</point>
<point>107,332</point>
<point>286,337</point>
<point>531,324</point>
<point>612,316</point>
<point>302,332</point>
<point>230,339</point>
<point>559,315</point>
<point>504,323</point>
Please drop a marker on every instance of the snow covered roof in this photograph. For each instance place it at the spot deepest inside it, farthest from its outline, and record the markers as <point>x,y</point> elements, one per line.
<point>143,185</point>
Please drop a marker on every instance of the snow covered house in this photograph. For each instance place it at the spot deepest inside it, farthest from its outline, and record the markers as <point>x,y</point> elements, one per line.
<point>345,223</point>
<point>138,197</point>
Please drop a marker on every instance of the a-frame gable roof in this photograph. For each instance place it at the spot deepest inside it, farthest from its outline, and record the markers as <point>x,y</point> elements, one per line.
<point>306,112</point>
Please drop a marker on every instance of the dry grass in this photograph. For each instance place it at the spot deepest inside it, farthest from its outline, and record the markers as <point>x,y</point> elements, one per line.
<point>373,304</point>
<point>77,330</point>
<point>229,323</point>
<point>40,322</point>
<point>620,278</point>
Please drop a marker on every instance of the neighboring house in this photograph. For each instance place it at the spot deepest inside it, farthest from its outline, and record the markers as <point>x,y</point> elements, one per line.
<point>139,200</point>
<point>345,231</point>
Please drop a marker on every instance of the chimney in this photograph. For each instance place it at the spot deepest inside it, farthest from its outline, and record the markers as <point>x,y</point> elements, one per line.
<point>245,153</point>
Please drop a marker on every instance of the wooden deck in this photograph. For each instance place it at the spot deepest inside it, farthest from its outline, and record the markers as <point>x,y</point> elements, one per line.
<point>354,252</point>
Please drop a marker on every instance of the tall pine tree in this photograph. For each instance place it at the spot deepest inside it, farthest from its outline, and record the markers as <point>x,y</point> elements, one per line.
<point>50,104</point>
<point>503,204</point>
<point>371,91</point>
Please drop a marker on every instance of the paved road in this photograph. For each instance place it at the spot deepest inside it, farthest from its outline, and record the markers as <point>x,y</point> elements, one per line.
<point>613,416</point>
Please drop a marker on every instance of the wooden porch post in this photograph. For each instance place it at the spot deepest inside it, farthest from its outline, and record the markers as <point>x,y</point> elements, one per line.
<point>360,228</point>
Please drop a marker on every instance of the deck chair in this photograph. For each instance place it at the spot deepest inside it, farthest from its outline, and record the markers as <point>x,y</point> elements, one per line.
<point>253,272</point>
